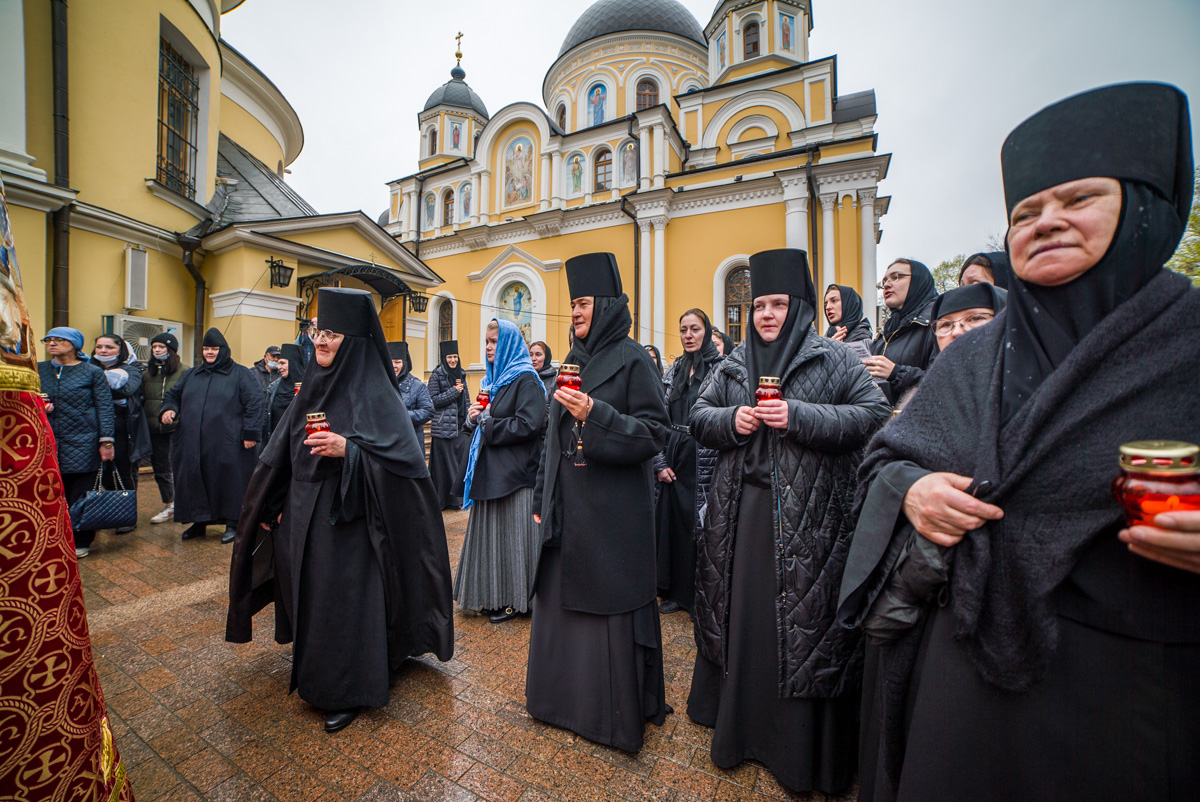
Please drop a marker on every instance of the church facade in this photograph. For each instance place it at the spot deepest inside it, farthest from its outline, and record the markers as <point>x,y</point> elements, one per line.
<point>681,149</point>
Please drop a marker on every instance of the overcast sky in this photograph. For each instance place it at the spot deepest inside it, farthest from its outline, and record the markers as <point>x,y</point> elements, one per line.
<point>951,79</point>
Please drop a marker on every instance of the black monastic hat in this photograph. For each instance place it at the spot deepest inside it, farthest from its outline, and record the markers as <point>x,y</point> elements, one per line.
<point>344,311</point>
<point>447,347</point>
<point>593,274</point>
<point>398,350</point>
<point>1135,132</point>
<point>783,271</point>
<point>972,296</point>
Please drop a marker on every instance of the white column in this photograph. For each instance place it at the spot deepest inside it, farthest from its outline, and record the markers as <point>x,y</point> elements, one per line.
<point>796,223</point>
<point>475,199</point>
<point>556,180</point>
<point>828,246</point>
<point>12,92</point>
<point>544,200</point>
<point>866,213</point>
<point>410,220</point>
<point>485,195</point>
<point>660,156</point>
<point>644,146</point>
<point>647,271</point>
<point>660,283</point>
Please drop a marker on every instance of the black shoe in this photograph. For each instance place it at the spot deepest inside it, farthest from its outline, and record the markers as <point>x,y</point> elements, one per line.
<point>193,531</point>
<point>668,607</point>
<point>339,719</point>
<point>230,534</point>
<point>500,616</point>
<point>125,530</point>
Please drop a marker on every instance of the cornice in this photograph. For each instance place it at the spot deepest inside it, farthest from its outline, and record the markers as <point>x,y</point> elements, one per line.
<point>162,192</point>
<point>97,220</point>
<point>254,303</point>
<point>30,194</point>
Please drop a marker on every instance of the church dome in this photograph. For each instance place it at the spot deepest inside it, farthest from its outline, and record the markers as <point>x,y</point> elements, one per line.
<point>614,16</point>
<point>455,92</point>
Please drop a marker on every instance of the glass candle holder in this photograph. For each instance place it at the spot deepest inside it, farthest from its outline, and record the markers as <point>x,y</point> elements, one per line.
<point>768,389</point>
<point>296,389</point>
<point>1157,476</point>
<point>45,399</point>
<point>315,422</point>
<point>568,376</point>
<point>484,398</point>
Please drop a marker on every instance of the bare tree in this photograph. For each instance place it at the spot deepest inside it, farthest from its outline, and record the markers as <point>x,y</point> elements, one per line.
<point>1187,256</point>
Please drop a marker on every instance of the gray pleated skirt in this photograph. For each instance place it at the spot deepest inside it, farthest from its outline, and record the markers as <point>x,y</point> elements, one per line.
<point>499,554</point>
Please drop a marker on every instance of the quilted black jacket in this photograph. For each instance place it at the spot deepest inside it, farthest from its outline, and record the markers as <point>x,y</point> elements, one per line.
<point>83,413</point>
<point>835,408</point>
<point>449,407</point>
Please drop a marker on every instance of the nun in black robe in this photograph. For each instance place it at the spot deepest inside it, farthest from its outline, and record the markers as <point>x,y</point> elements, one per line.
<point>906,339</point>
<point>450,393</point>
<point>676,504</point>
<point>595,647</point>
<point>283,390</point>
<point>219,408</point>
<point>1052,661</point>
<point>352,548</point>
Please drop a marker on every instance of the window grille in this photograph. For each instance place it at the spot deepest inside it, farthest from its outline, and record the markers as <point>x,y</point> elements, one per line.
<point>738,304</point>
<point>178,114</point>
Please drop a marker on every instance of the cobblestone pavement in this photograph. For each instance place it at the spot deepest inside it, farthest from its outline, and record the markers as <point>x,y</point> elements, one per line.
<point>198,718</point>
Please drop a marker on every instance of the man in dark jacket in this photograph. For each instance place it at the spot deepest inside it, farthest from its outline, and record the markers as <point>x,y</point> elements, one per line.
<point>266,370</point>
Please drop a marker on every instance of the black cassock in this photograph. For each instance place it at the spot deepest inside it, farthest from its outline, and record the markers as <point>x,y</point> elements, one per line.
<point>218,406</point>
<point>358,566</point>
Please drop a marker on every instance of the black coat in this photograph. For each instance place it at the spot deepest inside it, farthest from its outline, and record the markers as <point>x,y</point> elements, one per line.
<point>215,411</point>
<point>834,409</point>
<point>511,439</point>
<point>279,398</point>
<point>912,348</point>
<point>83,413</point>
<point>449,407</point>
<point>605,526</point>
<point>127,400</point>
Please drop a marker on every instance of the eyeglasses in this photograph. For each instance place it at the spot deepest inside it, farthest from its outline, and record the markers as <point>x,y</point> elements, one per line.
<point>326,335</point>
<point>944,327</point>
<point>892,279</point>
<point>55,341</point>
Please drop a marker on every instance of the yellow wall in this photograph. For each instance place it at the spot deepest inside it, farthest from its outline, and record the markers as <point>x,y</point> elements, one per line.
<point>39,71</point>
<point>849,264</point>
<point>240,126</point>
<point>345,241</point>
<point>30,236</point>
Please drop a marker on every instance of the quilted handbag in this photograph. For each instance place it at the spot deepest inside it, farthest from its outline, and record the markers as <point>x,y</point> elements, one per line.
<point>105,509</point>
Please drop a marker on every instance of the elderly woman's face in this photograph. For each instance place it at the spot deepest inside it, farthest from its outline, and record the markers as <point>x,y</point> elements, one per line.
<point>327,344</point>
<point>976,274</point>
<point>1060,233</point>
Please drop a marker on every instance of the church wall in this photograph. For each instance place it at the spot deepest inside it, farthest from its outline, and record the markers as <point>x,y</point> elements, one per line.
<point>861,147</point>
<point>782,126</point>
<point>241,126</point>
<point>848,236</point>
<point>31,236</point>
<point>39,91</point>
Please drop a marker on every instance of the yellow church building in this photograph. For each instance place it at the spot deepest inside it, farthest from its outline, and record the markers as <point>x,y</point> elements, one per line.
<point>681,149</point>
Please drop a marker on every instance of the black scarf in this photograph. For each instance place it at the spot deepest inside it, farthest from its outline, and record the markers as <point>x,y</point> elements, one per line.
<point>654,352</point>
<point>772,358</point>
<point>852,313</point>
<point>224,361</point>
<point>692,367</point>
<point>295,358</point>
<point>454,374</point>
<point>547,371</point>
<point>921,290</point>
<point>1046,323</point>
<point>727,341</point>
<point>610,326</point>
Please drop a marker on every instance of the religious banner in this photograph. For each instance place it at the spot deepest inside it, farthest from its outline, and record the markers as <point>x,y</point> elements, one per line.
<point>55,739</point>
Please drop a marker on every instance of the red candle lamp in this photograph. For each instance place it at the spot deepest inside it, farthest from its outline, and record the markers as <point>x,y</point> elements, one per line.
<point>315,422</point>
<point>568,376</point>
<point>484,398</point>
<point>1157,476</point>
<point>768,389</point>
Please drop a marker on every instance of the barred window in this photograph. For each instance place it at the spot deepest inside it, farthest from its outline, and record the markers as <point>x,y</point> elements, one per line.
<point>604,171</point>
<point>738,304</point>
<point>178,113</point>
<point>750,40</point>
<point>647,94</point>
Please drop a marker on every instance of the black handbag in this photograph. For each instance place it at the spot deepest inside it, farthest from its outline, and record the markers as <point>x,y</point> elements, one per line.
<point>105,509</point>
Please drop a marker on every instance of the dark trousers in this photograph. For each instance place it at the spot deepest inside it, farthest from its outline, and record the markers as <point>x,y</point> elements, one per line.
<point>161,460</point>
<point>75,485</point>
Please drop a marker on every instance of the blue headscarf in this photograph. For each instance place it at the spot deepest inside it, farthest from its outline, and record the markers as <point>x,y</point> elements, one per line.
<point>73,336</point>
<point>512,359</point>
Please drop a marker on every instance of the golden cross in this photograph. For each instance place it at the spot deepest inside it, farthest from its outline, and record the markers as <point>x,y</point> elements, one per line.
<point>458,50</point>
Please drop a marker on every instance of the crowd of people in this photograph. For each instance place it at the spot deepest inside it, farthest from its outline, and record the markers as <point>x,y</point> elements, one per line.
<point>898,548</point>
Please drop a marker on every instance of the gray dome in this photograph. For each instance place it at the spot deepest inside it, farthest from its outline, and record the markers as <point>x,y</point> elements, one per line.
<point>455,92</point>
<point>613,16</point>
<point>385,218</point>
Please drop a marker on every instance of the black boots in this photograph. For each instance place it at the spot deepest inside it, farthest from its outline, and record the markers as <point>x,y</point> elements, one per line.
<point>194,531</point>
<point>339,719</point>
<point>500,616</point>
<point>230,533</point>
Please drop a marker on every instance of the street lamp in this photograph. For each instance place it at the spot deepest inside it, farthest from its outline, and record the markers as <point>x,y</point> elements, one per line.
<point>418,302</point>
<point>281,274</point>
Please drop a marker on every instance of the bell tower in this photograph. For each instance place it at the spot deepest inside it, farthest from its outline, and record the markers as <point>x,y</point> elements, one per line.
<point>746,39</point>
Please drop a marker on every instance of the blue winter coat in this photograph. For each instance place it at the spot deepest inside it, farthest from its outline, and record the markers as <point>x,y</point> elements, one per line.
<point>83,413</point>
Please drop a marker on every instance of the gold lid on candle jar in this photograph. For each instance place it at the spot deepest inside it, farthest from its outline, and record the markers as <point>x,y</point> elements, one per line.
<point>315,416</point>
<point>1160,456</point>
<point>769,381</point>
<point>565,368</point>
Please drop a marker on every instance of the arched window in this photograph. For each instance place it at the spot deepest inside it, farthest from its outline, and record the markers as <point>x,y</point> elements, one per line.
<point>445,322</point>
<point>750,40</point>
<point>561,116</point>
<point>647,94</point>
<point>604,171</point>
<point>448,209</point>
<point>433,142</point>
<point>738,304</point>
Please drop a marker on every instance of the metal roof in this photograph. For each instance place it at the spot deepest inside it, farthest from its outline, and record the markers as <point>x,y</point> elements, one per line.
<point>613,16</point>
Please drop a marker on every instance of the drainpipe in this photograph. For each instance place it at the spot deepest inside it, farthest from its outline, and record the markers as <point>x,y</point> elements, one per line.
<point>190,245</point>
<point>60,277</point>
<point>813,197</point>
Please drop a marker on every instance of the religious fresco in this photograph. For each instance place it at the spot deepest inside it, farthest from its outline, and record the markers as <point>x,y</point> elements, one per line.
<point>628,164</point>
<point>575,165</point>
<point>456,136</point>
<point>787,23</point>
<point>464,201</point>
<point>596,98</point>
<point>518,171</point>
<point>516,306</point>
<point>16,335</point>
<point>430,220</point>
<point>721,52</point>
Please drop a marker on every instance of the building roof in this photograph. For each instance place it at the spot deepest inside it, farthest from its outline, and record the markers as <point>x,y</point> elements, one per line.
<point>613,16</point>
<point>854,106</point>
<point>259,193</point>
<point>455,92</point>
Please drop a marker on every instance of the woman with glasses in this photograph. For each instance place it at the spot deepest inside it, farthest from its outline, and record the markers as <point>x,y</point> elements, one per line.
<point>963,309</point>
<point>905,347</point>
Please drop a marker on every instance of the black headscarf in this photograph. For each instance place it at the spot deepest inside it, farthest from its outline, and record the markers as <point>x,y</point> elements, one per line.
<point>1138,133</point>
<point>727,342</point>
<point>357,393</point>
<point>295,357</point>
<point>852,313</point>
<point>224,361</point>
<point>611,322</point>
<point>972,296</point>
<point>921,290</point>
<point>654,352</point>
<point>444,350</point>
<point>779,272</point>
<point>996,263</point>
<point>398,351</point>
<point>692,367</point>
